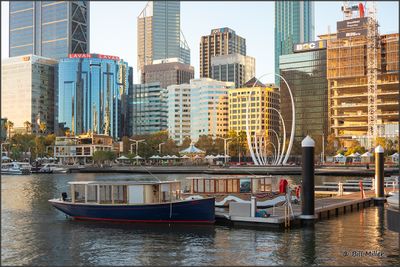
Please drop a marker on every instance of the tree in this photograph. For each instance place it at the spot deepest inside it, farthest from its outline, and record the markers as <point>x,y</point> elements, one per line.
<point>332,144</point>
<point>238,143</point>
<point>43,127</point>
<point>28,127</point>
<point>9,125</point>
<point>186,142</point>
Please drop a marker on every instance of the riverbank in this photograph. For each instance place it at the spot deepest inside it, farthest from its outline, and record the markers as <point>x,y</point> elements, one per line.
<point>254,170</point>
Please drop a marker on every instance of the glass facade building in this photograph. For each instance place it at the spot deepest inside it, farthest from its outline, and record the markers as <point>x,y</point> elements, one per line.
<point>148,108</point>
<point>294,23</point>
<point>205,114</point>
<point>159,33</point>
<point>305,73</point>
<point>27,91</point>
<point>92,94</point>
<point>50,29</point>
<point>234,68</point>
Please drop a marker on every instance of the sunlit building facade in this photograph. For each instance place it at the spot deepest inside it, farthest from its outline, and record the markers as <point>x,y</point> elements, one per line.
<point>253,107</point>
<point>222,41</point>
<point>27,92</point>
<point>92,94</point>
<point>178,103</point>
<point>50,29</point>
<point>207,95</point>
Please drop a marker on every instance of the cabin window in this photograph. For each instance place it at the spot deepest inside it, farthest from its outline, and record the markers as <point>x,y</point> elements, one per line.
<point>120,193</point>
<point>235,186</point>
<point>195,188</point>
<point>165,195</point>
<point>79,193</point>
<point>245,186</point>
<point>256,185</point>
<point>229,183</point>
<point>91,193</point>
<point>209,186</point>
<point>105,194</point>
<point>200,186</point>
<point>221,186</point>
<point>175,189</point>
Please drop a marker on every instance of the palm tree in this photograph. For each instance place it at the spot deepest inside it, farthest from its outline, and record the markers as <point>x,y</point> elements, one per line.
<point>9,125</point>
<point>42,127</point>
<point>28,126</point>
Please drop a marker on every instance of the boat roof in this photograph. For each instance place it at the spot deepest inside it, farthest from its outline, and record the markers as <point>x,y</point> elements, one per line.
<point>122,182</point>
<point>231,177</point>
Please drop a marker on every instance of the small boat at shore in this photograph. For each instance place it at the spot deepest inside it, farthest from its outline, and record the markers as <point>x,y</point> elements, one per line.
<point>234,188</point>
<point>133,201</point>
<point>52,168</point>
<point>16,168</point>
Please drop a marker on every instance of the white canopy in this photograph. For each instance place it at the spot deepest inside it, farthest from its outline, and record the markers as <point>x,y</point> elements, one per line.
<point>174,157</point>
<point>339,156</point>
<point>209,157</point>
<point>138,157</point>
<point>185,157</point>
<point>354,155</point>
<point>197,157</point>
<point>367,154</point>
<point>5,158</point>
<point>122,158</point>
<point>395,155</point>
<point>219,156</point>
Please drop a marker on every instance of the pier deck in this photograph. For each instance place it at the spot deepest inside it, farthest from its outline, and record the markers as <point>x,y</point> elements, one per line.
<point>324,208</point>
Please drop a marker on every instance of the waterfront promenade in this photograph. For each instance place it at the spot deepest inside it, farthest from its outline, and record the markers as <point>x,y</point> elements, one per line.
<point>253,170</point>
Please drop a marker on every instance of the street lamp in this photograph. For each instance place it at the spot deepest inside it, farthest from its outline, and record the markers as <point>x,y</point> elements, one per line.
<point>225,139</point>
<point>159,148</point>
<point>137,145</point>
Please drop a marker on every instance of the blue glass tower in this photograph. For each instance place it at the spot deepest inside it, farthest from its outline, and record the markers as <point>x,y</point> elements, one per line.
<point>294,23</point>
<point>92,94</point>
<point>50,29</point>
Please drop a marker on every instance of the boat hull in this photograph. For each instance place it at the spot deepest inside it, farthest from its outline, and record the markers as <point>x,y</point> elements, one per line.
<point>192,211</point>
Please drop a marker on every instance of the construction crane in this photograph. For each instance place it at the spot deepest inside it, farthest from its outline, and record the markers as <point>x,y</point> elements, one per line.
<point>372,73</point>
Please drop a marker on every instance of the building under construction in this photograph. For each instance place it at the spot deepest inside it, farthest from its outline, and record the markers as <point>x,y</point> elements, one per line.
<point>363,81</point>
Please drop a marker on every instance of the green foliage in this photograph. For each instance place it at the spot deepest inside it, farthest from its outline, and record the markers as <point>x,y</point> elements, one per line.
<point>238,143</point>
<point>101,156</point>
<point>358,149</point>
<point>332,145</point>
<point>210,145</point>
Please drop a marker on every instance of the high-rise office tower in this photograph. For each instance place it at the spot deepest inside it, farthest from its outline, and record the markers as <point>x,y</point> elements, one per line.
<point>233,68</point>
<point>51,29</point>
<point>221,41</point>
<point>294,23</point>
<point>159,33</point>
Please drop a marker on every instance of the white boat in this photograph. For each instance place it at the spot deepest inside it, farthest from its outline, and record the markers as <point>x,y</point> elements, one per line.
<point>15,168</point>
<point>52,168</point>
<point>393,201</point>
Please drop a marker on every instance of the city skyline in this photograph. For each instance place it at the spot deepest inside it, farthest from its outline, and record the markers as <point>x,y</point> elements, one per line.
<point>122,42</point>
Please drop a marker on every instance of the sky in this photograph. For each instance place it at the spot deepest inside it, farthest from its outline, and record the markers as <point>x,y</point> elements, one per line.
<point>113,27</point>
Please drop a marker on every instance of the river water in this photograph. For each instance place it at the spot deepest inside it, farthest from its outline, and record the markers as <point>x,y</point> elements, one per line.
<point>34,233</point>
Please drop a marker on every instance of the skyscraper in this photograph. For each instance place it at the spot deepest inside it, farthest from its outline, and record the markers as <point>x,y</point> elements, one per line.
<point>223,41</point>
<point>51,29</point>
<point>27,92</point>
<point>159,33</point>
<point>92,92</point>
<point>294,23</point>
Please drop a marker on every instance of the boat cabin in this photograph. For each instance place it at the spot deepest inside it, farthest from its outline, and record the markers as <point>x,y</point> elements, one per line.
<point>124,192</point>
<point>231,184</point>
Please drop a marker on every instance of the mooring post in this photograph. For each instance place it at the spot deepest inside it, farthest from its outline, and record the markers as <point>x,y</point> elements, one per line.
<point>253,206</point>
<point>307,192</point>
<point>379,175</point>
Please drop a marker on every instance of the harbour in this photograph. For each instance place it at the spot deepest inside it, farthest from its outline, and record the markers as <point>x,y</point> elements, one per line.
<point>35,233</point>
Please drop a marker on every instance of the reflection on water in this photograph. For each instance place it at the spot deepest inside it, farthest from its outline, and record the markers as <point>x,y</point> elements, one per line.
<point>35,233</point>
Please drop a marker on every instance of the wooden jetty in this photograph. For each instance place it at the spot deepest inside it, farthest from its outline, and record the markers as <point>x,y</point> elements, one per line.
<point>324,208</point>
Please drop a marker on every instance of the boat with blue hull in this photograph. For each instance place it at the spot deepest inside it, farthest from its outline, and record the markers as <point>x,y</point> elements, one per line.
<point>129,201</point>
